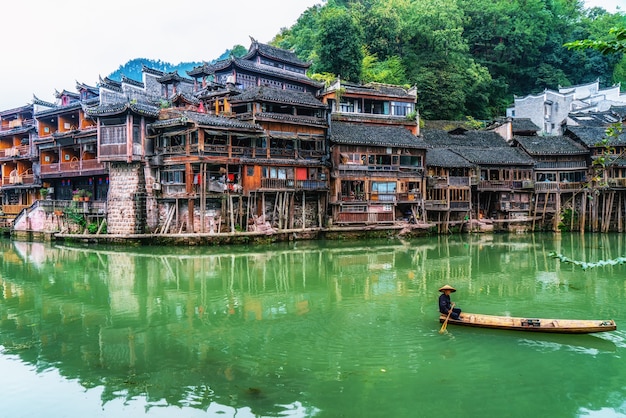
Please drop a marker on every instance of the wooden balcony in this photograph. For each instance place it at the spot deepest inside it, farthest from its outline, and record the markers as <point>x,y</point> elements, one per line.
<point>436,205</point>
<point>411,197</point>
<point>72,167</point>
<point>20,151</point>
<point>619,183</point>
<point>454,181</point>
<point>290,184</point>
<point>12,180</point>
<point>364,217</point>
<point>458,205</point>
<point>504,185</point>
<point>556,186</point>
<point>514,206</point>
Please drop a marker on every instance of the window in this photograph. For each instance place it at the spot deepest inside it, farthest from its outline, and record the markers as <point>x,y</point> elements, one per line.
<point>173,176</point>
<point>401,109</point>
<point>383,187</point>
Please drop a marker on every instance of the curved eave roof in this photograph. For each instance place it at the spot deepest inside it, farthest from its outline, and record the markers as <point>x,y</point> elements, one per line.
<point>274,95</point>
<point>59,109</point>
<point>276,54</point>
<point>17,131</point>
<point>294,119</point>
<point>380,91</point>
<point>553,145</point>
<point>259,68</point>
<point>205,120</point>
<point>16,110</point>
<point>382,136</point>
<point>120,108</point>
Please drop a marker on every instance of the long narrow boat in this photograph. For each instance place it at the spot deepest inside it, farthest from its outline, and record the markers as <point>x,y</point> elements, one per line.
<point>563,326</point>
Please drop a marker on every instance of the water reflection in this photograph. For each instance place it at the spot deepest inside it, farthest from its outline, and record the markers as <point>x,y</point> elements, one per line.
<point>286,329</point>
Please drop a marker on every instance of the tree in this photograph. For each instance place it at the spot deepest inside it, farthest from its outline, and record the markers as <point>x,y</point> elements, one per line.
<point>611,46</point>
<point>339,44</point>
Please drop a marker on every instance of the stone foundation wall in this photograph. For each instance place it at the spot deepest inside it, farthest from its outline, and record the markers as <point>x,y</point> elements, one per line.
<point>126,199</point>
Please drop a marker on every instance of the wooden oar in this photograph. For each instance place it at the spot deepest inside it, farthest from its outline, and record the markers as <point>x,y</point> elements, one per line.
<point>445,323</point>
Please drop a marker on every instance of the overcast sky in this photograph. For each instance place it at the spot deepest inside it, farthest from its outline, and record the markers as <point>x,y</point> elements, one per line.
<point>50,45</point>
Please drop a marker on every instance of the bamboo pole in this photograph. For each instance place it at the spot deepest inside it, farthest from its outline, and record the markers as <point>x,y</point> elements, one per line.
<point>583,215</point>
<point>303,210</point>
<point>535,211</point>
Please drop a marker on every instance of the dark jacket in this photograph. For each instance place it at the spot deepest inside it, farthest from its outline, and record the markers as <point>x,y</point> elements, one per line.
<point>444,303</point>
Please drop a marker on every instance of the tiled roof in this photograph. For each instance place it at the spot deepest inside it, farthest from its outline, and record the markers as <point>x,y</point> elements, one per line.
<point>443,157</point>
<point>203,119</point>
<point>185,97</point>
<point>495,156</point>
<point>17,131</point>
<point>173,76</point>
<point>274,95</point>
<point>376,89</point>
<point>118,108</point>
<point>261,69</point>
<point>550,145</point>
<point>382,136</point>
<point>153,71</point>
<point>523,125</point>
<point>592,136</point>
<point>282,117</point>
<point>59,109</point>
<point>127,80</point>
<point>484,139</point>
<point>277,54</point>
<point>597,119</point>
<point>21,109</point>
<point>38,101</point>
<point>110,84</point>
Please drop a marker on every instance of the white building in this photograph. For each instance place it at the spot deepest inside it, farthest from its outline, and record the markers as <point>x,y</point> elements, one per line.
<point>550,109</point>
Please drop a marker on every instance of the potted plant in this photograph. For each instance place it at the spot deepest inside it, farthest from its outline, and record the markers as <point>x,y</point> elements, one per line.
<point>43,192</point>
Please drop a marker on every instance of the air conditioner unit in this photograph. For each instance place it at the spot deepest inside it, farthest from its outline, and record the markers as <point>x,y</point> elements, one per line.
<point>156,186</point>
<point>90,148</point>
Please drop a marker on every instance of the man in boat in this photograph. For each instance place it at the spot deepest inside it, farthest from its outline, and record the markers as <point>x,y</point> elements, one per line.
<point>445,305</point>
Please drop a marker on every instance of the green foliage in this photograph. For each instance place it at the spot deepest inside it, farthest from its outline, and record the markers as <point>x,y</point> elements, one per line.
<point>73,215</point>
<point>389,71</point>
<point>612,46</point>
<point>339,41</point>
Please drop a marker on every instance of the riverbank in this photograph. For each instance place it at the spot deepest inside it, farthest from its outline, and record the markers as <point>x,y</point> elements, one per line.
<point>233,238</point>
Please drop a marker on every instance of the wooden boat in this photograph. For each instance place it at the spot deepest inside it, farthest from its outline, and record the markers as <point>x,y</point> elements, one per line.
<point>563,326</point>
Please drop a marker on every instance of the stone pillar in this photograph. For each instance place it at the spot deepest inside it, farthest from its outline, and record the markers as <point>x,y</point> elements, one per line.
<point>126,200</point>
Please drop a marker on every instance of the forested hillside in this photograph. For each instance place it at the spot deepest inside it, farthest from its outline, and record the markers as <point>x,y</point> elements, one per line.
<point>132,69</point>
<point>467,57</point>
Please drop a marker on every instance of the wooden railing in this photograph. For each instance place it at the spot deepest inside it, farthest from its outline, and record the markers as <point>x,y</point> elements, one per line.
<point>290,184</point>
<point>436,204</point>
<point>555,186</point>
<point>79,165</point>
<point>13,209</point>
<point>459,205</point>
<point>364,217</point>
<point>504,184</point>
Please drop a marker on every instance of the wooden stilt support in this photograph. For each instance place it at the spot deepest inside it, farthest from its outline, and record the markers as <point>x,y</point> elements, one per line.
<point>303,211</point>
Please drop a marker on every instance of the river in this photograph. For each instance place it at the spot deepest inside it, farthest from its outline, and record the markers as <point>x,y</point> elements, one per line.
<point>325,329</point>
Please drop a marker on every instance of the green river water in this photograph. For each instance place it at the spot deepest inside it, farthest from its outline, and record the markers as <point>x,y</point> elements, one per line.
<point>325,329</point>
